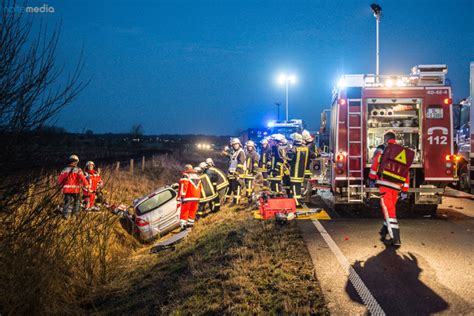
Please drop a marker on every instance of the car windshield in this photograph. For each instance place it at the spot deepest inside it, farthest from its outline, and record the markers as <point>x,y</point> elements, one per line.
<point>155,201</point>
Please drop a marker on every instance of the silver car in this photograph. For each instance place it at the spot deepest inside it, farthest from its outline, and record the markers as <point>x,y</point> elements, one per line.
<point>157,213</point>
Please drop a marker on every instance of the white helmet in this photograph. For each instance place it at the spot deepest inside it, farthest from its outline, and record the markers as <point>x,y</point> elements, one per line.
<point>250,143</point>
<point>297,138</point>
<point>73,158</point>
<point>188,167</point>
<point>197,169</point>
<point>210,162</point>
<point>307,136</point>
<point>264,141</point>
<point>203,165</point>
<point>279,137</point>
<point>90,163</point>
<point>235,141</point>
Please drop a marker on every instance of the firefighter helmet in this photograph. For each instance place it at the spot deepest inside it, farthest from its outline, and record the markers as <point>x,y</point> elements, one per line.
<point>307,136</point>
<point>210,162</point>
<point>279,137</point>
<point>234,141</point>
<point>203,165</point>
<point>250,143</point>
<point>90,163</point>
<point>73,158</point>
<point>297,138</point>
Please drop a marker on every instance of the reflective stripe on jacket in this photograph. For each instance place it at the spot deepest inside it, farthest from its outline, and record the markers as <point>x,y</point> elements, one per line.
<point>72,179</point>
<point>374,171</point>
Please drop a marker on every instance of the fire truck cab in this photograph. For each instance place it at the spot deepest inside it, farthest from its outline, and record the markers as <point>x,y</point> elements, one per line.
<point>416,107</point>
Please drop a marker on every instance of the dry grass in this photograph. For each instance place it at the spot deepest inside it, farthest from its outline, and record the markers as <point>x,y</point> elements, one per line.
<point>229,264</point>
<point>48,265</point>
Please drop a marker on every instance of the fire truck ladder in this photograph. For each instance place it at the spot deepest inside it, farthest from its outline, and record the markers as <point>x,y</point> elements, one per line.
<point>355,171</point>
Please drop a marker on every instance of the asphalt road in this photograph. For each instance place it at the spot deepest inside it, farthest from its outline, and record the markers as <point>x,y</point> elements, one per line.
<point>433,271</point>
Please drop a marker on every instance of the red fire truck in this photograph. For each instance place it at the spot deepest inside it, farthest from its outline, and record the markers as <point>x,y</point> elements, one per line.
<point>417,107</point>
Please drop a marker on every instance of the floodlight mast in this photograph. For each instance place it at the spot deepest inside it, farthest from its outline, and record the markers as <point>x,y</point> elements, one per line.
<point>377,10</point>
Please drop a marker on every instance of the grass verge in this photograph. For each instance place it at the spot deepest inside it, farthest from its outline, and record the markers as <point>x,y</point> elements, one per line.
<point>230,263</point>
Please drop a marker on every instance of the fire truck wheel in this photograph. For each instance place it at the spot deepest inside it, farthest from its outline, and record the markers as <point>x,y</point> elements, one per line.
<point>464,179</point>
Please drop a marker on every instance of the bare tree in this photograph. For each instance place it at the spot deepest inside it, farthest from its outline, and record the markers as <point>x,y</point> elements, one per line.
<point>136,131</point>
<point>30,92</point>
<point>33,89</point>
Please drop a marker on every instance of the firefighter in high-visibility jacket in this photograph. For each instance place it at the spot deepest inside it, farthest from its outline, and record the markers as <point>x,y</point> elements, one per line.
<point>236,170</point>
<point>308,141</point>
<point>264,164</point>
<point>251,166</point>
<point>72,180</point>
<point>390,171</point>
<point>218,178</point>
<point>189,192</point>
<point>209,194</point>
<point>297,158</point>
<point>278,146</point>
<point>95,183</point>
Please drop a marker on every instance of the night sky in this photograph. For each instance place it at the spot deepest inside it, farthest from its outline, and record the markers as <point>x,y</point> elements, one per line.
<point>210,66</point>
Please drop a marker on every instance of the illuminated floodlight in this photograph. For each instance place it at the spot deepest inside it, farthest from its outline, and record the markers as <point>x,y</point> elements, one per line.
<point>401,83</point>
<point>270,124</point>
<point>286,80</point>
<point>389,83</point>
<point>341,84</point>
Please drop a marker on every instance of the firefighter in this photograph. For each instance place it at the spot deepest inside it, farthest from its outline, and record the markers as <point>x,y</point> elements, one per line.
<point>219,180</point>
<point>189,192</point>
<point>251,166</point>
<point>209,193</point>
<point>276,166</point>
<point>297,159</point>
<point>313,151</point>
<point>95,183</point>
<point>71,179</point>
<point>265,158</point>
<point>236,170</point>
<point>390,171</point>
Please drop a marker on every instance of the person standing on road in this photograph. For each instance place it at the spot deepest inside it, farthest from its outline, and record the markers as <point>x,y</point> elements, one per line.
<point>390,171</point>
<point>236,170</point>
<point>189,192</point>
<point>95,182</point>
<point>71,179</point>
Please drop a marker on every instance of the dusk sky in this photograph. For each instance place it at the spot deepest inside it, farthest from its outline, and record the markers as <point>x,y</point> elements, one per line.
<point>210,66</point>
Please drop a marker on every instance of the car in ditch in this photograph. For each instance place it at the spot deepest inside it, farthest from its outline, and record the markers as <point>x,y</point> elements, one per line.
<point>153,215</point>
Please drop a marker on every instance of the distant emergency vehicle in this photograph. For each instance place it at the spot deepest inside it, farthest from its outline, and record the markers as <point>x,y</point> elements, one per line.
<point>285,127</point>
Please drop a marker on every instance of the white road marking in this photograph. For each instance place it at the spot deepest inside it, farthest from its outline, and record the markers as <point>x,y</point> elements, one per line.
<point>364,293</point>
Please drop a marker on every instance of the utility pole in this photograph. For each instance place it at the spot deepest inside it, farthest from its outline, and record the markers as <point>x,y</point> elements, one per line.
<point>278,104</point>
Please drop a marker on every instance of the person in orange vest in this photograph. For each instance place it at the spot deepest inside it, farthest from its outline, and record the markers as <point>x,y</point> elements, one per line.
<point>189,193</point>
<point>95,182</point>
<point>390,171</point>
<point>71,179</point>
